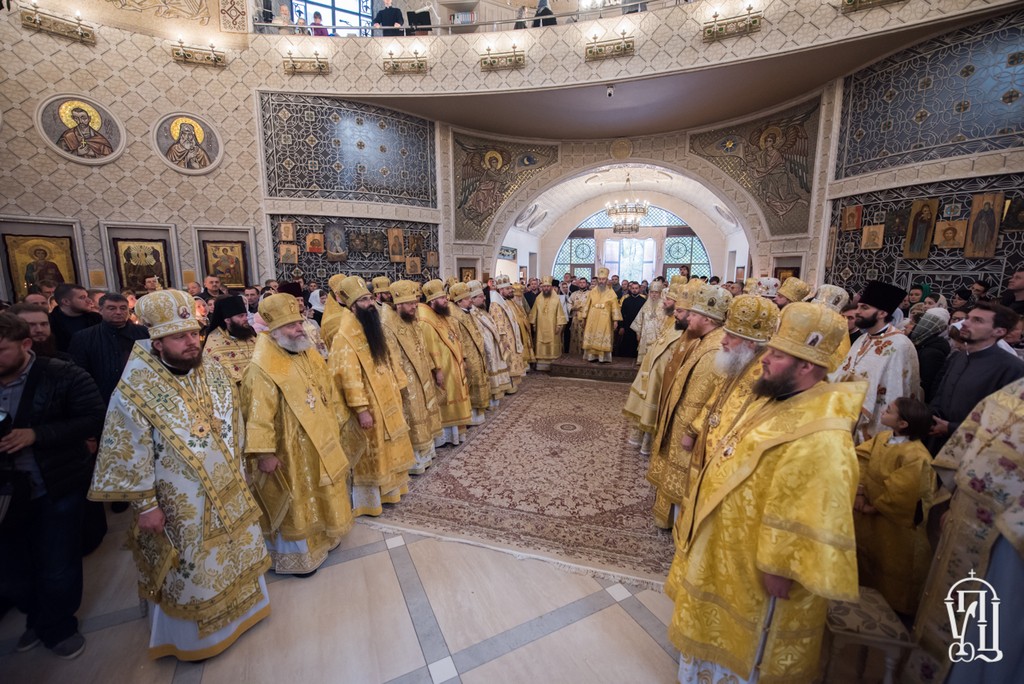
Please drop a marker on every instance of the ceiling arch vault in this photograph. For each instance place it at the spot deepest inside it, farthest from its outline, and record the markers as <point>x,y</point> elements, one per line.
<point>714,206</point>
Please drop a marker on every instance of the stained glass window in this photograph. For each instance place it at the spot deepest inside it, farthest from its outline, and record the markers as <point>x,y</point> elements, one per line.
<point>688,251</point>
<point>576,256</point>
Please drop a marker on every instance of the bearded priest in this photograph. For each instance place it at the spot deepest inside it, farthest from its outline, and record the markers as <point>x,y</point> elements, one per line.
<point>601,314</point>
<point>231,340</point>
<point>473,351</point>
<point>445,349</point>
<point>547,318</point>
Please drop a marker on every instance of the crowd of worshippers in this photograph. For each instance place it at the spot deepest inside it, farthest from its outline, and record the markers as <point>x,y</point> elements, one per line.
<point>807,446</point>
<point>244,431</point>
<point>801,442</point>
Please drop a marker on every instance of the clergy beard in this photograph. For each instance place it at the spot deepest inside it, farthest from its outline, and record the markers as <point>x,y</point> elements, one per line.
<point>46,348</point>
<point>483,306</point>
<point>547,295</point>
<point>508,298</point>
<point>370,320</point>
<point>240,331</point>
<point>408,317</point>
<point>290,345</point>
<point>669,310</point>
<point>776,387</point>
<point>602,288</point>
<point>732,363</point>
<point>180,362</point>
<point>682,324</point>
<point>440,309</point>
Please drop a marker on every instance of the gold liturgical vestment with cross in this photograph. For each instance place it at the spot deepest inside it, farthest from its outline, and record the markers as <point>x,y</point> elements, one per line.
<point>475,356</point>
<point>547,318</point>
<point>231,353</point>
<point>419,396</point>
<point>600,311</point>
<point>776,496</point>
<point>292,411</point>
<point>175,441</point>
<point>365,385</point>
<point>445,350</point>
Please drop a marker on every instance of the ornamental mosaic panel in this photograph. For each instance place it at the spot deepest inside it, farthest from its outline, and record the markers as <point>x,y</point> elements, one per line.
<point>772,158</point>
<point>363,243</point>
<point>331,148</point>
<point>944,269</point>
<point>957,94</point>
<point>487,172</point>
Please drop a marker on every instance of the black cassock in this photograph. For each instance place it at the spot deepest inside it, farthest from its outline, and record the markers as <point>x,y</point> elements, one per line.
<point>628,341</point>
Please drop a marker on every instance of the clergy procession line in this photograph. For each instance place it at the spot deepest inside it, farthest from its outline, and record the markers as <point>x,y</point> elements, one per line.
<point>790,451</point>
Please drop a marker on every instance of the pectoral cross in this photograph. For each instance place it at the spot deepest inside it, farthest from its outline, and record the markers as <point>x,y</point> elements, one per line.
<point>310,398</point>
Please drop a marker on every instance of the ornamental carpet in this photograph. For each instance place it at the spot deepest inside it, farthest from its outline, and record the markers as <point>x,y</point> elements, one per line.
<point>550,476</point>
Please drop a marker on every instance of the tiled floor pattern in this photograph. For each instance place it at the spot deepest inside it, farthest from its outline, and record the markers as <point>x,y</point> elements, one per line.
<point>385,607</point>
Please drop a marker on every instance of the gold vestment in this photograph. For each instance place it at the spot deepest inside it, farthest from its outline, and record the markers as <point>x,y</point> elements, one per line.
<point>445,350</point>
<point>475,358</point>
<point>600,312</point>
<point>419,396</point>
<point>231,353</point>
<point>547,318</point>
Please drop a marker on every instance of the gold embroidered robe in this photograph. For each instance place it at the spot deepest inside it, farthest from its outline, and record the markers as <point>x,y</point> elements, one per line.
<point>600,312</point>
<point>642,403</point>
<point>175,442</point>
<point>770,501</point>
<point>292,411</point>
<point>497,369</point>
<point>893,553</point>
<point>365,385</point>
<point>473,354</point>
<point>330,321</point>
<point>419,396</point>
<point>984,464</point>
<point>445,350</point>
<point>514,348</point>
<point>523,319</point>
<point>577,322</point>
<point>231,353</point>
<point>547,318</point>
<point>690,390</point>
<point>648,325</point>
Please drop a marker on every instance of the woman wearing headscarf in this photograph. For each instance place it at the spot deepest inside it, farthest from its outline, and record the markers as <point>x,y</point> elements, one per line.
<point>932,347</point>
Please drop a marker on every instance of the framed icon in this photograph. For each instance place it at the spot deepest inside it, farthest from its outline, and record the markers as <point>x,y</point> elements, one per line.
<point>226,260</point>
<point>286,231</point>
<point>32,259</point>
<point>138,260</point>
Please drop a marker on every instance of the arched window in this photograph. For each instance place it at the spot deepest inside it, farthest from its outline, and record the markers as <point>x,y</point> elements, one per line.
<point>576,255</point>
<point>685,250</point>
<point>630,258</point>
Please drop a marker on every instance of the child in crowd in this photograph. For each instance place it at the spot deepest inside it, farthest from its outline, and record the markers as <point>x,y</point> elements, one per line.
<point>896,487</point>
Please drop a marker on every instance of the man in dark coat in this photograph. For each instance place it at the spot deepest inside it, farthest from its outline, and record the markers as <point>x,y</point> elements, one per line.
<point>630,304</point>
<point>74,312</point>
<point>103,349</point>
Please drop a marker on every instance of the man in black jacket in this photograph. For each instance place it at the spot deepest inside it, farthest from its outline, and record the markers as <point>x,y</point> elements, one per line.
<point>74,312</point>
<point>46,467</point>
<point>103,349</point>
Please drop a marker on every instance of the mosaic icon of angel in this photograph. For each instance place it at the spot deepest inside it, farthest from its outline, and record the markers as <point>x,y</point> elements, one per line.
<point>781,163</point>
<point>487,173</point>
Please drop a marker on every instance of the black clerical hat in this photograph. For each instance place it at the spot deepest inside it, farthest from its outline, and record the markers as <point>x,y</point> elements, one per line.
<point>882,296</point>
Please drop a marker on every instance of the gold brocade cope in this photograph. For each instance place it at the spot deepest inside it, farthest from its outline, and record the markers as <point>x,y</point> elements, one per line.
<point>445,350</point>
<point>642,403</point>
<point>780,501</point>
<point>691,389</point>
<point>206,567</point>
<point>231,353</point>
<point>475,358</point>
<point>523,320</point>
<point>600,311</point>
<point>547,318</point>
<point>497,369</point>
<point>330,321</point>
<point>419,397</point>
<point>513,345</point>
<point>366,385</point>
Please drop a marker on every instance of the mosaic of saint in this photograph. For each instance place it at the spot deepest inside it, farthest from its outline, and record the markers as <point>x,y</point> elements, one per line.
<point>81,130</point>
<point>168,9</point>
<point>487,172</point>
<point>187,143</point>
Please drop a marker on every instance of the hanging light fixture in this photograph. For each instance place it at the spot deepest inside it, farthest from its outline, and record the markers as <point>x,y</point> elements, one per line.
<point>627,214</point>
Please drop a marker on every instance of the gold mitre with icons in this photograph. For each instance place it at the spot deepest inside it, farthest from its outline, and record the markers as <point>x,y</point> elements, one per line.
<point>458,292</point>
<point>433,289</point>
<point>832,296</point>
<point>812,332</point>
<point>794,289</point>
<point>502,281</point>
<point>475,288</point>
<point>687,290</point>
<point>405,291</point>
<point>167,312</point>
<point>279,309</point>
<point>547,280</point>
<point>381,284</point>
<point>602,272</point>
<point>711,301</point>
<point>750,286</point>
<point>352,289</point>
<point>752,318</point>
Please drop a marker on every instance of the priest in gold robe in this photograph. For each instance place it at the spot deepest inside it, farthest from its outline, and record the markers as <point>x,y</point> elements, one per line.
<point>547,317</point>
<point>641,408</point>
<point>497,369</point>
<point>445,349</point>
<point>507,321</point>
<point>231,340</point>
<point>370,380</point>
<point>331,319</point>
<point>684,394</point>
<point>576,324</point>
<point>299,472</point>
<point>769,540</point>
<point>649,323</point>
<point>600,314</point>
<point>792,290</point>
<point>473,352</point>
<point>171,447</point>
<point>381,286</point>
<point>419,396</point>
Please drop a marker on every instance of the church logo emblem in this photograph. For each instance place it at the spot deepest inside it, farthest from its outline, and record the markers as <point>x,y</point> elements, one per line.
<point>973,600</point>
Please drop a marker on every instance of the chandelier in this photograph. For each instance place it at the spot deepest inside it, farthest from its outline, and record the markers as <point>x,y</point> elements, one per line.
<point>627,214</point>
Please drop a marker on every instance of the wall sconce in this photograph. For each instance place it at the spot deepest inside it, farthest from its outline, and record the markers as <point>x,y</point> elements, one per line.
<point>498,61</point>
<point>847,6</point>
<point>406,65</point>
<point>741,25</point>
<point>306,65</point>
<point>606,49</point>
<point>72,29</point>
<point>210,56</point>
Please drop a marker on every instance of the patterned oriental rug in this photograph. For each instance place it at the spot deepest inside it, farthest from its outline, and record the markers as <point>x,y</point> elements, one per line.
<point>549,476</point>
